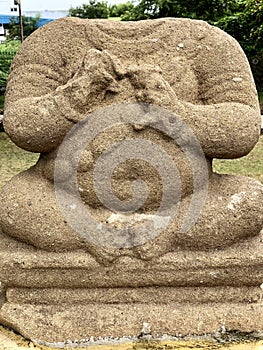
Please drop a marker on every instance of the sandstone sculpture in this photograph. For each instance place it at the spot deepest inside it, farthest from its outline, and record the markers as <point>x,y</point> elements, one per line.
<point>190,282</point>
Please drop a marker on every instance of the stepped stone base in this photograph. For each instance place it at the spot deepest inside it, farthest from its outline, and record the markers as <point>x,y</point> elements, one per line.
<point>47,324</point>
<point>53,297</point>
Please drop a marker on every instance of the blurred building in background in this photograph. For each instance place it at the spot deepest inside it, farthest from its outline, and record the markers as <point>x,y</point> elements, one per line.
<point>8,9</point>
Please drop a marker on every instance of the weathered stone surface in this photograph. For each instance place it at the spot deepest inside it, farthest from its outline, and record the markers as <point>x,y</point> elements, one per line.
<point>13,341</point>
<point>40,269</point>
<point>78,321</point>
<point>186,80</point>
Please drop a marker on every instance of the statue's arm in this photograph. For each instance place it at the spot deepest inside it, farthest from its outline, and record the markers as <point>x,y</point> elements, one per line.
<point>224,130</point>
<point>36,104</point>
<point>227,122</point>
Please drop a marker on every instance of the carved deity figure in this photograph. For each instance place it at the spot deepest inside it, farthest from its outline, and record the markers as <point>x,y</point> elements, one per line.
<point>71,67</point>
<point>122,228</point>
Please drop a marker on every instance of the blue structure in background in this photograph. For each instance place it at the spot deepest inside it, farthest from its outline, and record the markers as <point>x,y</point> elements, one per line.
<point>5,19</point>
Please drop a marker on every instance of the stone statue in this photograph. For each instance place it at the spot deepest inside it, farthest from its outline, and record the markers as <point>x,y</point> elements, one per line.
<point>72,68</point>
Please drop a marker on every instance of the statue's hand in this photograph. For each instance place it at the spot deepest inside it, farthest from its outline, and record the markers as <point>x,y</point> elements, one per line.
<point>98,74</point>
<point>150,86</point>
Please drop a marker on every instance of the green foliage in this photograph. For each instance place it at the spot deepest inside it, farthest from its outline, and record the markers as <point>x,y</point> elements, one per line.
<point>10,45</point>
<point>246,26</point>
<point>5,62</point>
<point>8,50</point>
<point>94,9</point>
<point>243,19</point>
<point>209,10</point>
<point>30,24</point>
<point>2,101</point>
<point>146,9</point>
<point>101,9</point>
<point>121,9</point>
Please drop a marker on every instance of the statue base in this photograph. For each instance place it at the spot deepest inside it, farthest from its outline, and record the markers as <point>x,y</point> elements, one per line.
<point>54,297</point>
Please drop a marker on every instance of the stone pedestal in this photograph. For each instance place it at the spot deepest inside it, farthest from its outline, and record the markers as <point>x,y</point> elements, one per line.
<point>53,297</point>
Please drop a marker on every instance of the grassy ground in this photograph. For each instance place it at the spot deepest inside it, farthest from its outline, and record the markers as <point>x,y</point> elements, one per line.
<point>250,165</point>
<point>14,160</point>
<point>115,18</point>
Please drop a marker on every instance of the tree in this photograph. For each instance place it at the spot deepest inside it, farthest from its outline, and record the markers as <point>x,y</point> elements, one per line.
<point>120,9</point>
<point>246,26</point>
<point>30,24</point>
<point>209,10</point>
<point>243,19</point>
<point>94,9</point>
<point>146,9</point>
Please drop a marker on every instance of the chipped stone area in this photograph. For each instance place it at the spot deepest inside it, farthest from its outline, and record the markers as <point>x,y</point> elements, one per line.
<point>236,199</point>
<point>157,220</point>
<point>222,340</point>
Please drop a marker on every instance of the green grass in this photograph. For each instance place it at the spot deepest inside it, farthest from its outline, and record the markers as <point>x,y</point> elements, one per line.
<point>115,18</point>
<point>250,165</point>
<point>15,160</point>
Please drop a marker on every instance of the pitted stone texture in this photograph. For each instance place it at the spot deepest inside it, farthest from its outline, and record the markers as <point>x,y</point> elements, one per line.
<point>63,72</point>
<point>169,319</point>
<point>32,268</point>
<point>82,65</point>
<point>53,297</point>
<point>72,67</point>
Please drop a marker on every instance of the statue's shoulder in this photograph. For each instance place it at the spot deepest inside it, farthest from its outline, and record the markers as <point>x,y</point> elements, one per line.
<point>53,43</point>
